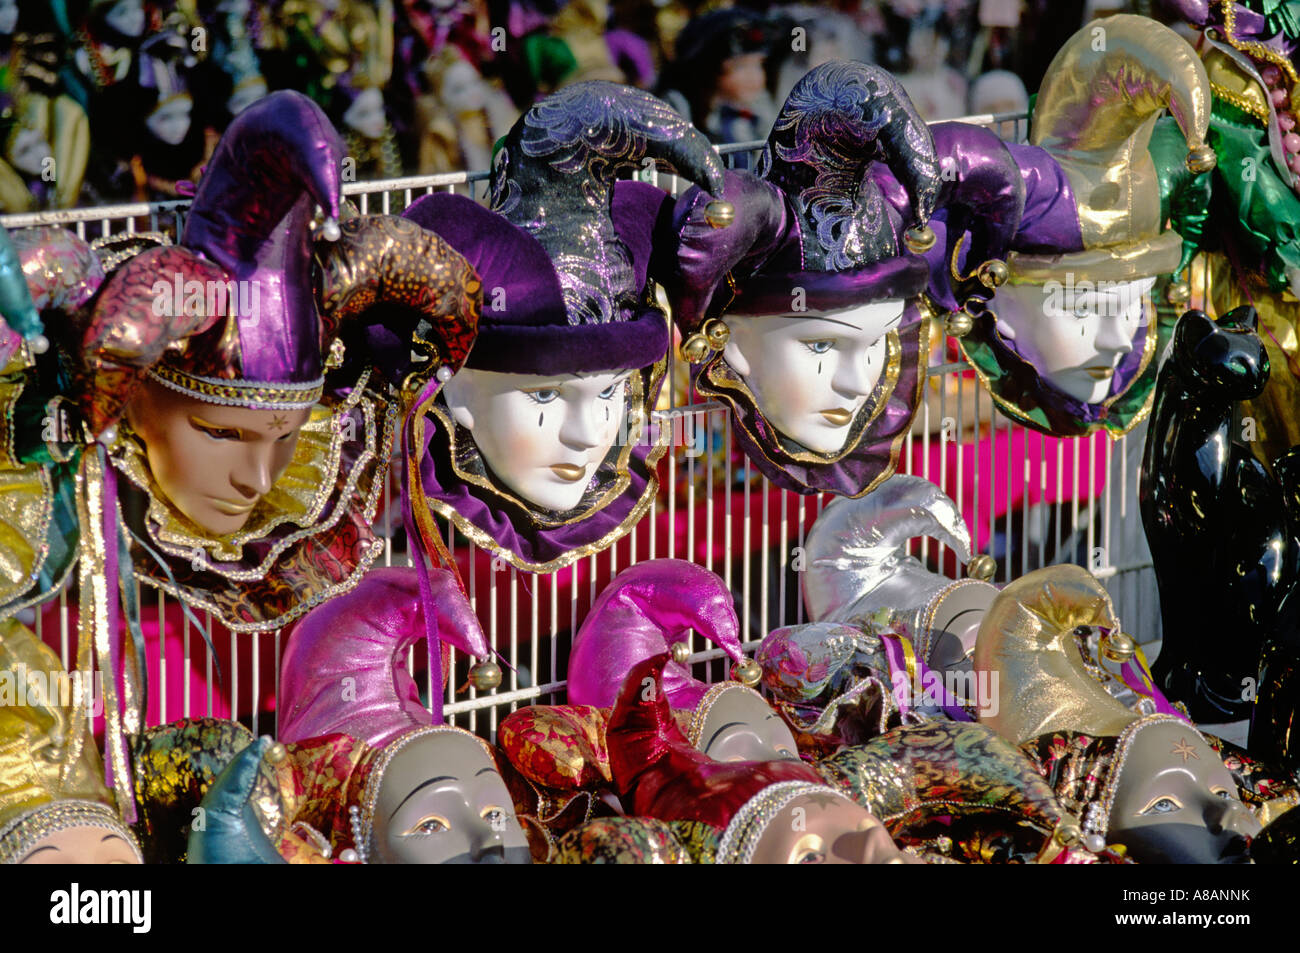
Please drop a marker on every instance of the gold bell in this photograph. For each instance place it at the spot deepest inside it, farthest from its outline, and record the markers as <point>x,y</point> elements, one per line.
<point>993,273</point>
<point>1178,293</point>
<point>717,334</point>
<point>695,348</point>
<point>719,213</point>
<point>919,239</point>
<point>958,324</point>
<point>1119,647</point>
<point>982,567</point>
<point>485,676</point>
<point>681,653</point>
<point>1201,159</point>
<point>275,753</point>
<point>1067,834</point>
<point>747,672</point>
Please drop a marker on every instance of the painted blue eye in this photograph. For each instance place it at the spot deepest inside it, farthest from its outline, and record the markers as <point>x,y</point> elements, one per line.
<point>609,392</point>
<point>1164,805</point>
<point>542,396</point>
<point>819,347</point>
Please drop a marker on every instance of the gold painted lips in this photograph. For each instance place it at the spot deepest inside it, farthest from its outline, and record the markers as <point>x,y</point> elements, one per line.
<point>568,472</point>
<point>838,417</point>
<point>232,509</point>
<point>1100,373</point>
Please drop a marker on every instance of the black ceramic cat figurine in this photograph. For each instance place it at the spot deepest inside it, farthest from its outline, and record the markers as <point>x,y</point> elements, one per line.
<point>1224,544</point>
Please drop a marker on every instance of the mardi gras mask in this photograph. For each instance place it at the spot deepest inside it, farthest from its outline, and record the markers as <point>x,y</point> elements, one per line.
<point>542,451</point>
<point>8,16</point>
<point>1076,337</point>
<point>127,17</point>
<point>170,120</point>
<point>812,374</point>
<point>541,436</point>
<point>440,800</point>
<point>366,114</point>
<point>213,462</point>
<point>1157,788</point>
<point>1070,343</point>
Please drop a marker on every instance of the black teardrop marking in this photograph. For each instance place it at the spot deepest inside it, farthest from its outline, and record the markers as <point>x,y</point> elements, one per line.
<point>539,418</point>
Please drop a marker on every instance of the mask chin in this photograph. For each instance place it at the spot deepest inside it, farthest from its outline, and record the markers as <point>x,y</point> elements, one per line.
<point>1165,843</point>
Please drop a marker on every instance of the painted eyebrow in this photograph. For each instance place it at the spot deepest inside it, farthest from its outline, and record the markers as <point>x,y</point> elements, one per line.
<point>111,836</point>
<point>33,853</point>
<point>420,787</point>
<point>488,770</point>
<point>714,737</point>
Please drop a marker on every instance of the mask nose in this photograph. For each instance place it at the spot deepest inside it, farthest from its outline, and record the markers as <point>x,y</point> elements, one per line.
<point>1112,334</point>
<point>582,430</point>
<point>256,475</point>
<point>1232,817</point>
<point>854,377</point>
<point>487,847</point>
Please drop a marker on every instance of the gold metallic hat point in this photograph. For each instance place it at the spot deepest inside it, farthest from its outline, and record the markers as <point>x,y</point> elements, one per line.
<point>1118,646</point>
<point>681,653</point>
<point>1178,293</point>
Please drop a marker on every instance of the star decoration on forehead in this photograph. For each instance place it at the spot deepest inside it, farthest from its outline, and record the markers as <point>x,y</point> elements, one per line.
<point>1186,750</point>
<point>278,423</point>
<point>819,799</point>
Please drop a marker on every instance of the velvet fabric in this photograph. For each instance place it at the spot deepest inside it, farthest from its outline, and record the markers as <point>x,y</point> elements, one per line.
<point>659,774</point>
<point>524,328</point>
<point>365,636</point>
<point>638,615</point>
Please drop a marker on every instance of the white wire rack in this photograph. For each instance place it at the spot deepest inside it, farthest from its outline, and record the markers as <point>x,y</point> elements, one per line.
<point>1028,500</point>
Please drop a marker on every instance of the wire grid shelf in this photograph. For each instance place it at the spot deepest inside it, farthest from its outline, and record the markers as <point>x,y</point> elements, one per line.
<point>1030,501</point>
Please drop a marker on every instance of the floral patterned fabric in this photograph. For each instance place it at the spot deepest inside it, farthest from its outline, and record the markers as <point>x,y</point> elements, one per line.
<point>955,789</point>
<point>638,840</point>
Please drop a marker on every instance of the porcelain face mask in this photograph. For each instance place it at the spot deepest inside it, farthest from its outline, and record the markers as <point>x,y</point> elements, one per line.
<point>1176,803</point>
<point>741,726</point>
<point>824,829</point>
<point>366,114</point>
<point>811,373</point>
<point>245,96</point>
<point>81,845</point>
<point>541,436</point>
<point>213,462</point>
<point>30,152</point>
<point>441,801</point>
<point>170,122</point>
<point>462,88</point>
<point>1074,335</point>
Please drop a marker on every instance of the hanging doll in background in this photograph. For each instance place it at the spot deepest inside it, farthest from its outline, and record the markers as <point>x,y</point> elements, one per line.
<point>366,772</point>
<point>45,138</point>
<point>461,117</point>
<point>148,124</point>
<point>1070,345</point>
<point>247,481</point>
<point>717,77</point>
<point>806,317</point>
<point>541,449</point>
<point>368,138</point>
<point>107,42</point>
<point>230,77</point>
<point>312,45</point>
